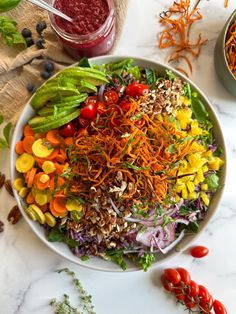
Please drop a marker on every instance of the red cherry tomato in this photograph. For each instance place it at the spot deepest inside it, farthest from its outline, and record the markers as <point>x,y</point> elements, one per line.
<point>199,251</point>
<point>172,275</point>
<point>189,302</point>
<point>111,97</point>
<point>166,284</point>
<point>67,130</point>
<point>179,294</point>
<point>206,306</point>
<point>89,111</point>
<point>137,89</point>
<point>193,289</point>
<point>101,108</point>
<point>125,105</point>
<point>91,99</point>
<point>204,294</point>
<point>83,122</point>
<point>219,307</point>
<point>184,274</point>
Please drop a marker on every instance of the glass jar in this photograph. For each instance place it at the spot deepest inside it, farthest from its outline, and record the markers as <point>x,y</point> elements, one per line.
<point>92,44</point>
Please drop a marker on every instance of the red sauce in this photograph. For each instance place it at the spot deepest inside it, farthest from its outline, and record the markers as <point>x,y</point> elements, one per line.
<point>93,31</point>
<point>88,15</point>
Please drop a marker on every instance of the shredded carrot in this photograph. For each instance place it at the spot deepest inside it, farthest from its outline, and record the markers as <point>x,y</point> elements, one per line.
<point>226,3</point>
<point>178,21</point>
<point>230,47</point>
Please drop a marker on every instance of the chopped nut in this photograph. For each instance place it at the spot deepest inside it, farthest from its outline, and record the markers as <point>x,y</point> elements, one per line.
<point>2,179</point>
<point>8,187</point>
<point>1,226</point>
<point>14,215</point>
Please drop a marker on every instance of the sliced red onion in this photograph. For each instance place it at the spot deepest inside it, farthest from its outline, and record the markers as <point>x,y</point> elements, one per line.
<point>147,236</point>
<point>173,244</point>
<point>131,219</point>
<point>114,207</point>
<point>101,92</point>
<point>182,221</point>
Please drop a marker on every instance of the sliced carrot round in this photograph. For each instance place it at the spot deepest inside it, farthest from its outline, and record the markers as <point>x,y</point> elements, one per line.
<point>59,204</point>
<point>27,142</point>
<point>28,130</point>
<point>54,154</point>
<point>53,136</point>
<point>19,149</point>
<point>39,184</point>
<point>59,183</point>
<point>30,198</point>
<point>30,178</point>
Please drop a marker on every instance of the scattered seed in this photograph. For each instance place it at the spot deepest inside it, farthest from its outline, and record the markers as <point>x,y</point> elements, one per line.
<point>14,215</point>
<point>2,179</point>
<point>8,187</point>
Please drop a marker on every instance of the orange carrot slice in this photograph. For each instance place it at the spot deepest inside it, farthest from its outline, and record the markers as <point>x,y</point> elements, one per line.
<point>53,136</point>
<point>59,183</point>
<point>30,198</point>
<point>59,204</point>
<point>30,178</point>
<point>27,142</point>
<point>39,184</point>
<point>59,168</point>
<point>54,154</point>
<point>28,130</point>
<point>68,141</point>
<point>61,157</point>
<point>19,148</point>
<point>54,212</point>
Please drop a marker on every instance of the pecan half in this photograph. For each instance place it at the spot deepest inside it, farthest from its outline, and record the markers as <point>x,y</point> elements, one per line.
<point>8,187</point>
<point>14,215</point>
<point>1,226</point>
<point>2,179</point>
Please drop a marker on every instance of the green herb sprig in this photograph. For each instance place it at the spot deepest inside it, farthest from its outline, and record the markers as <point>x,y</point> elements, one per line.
<point>9,32</point>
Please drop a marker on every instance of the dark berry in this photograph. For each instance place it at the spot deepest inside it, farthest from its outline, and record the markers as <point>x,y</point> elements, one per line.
<point>40,27</point>
<point>39,43</point>
<point>29,41</point>
<point>45,75</point>
<point>26,32</point>
<point>48,66</point>
<point>31,88</point>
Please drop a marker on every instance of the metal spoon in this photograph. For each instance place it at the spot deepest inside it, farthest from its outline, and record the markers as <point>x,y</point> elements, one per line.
<point>51,9</point>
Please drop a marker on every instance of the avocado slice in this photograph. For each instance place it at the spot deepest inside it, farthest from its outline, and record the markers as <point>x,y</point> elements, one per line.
<point>56,123</point>
<point>90,77</point>
<point>45,94</point>
<point>55,110</point>
<point>65,99</point>
<point>87,87</point>
<point>38,120</point>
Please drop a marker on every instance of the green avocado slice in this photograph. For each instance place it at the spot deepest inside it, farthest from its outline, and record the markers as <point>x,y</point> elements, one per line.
<point>45,94</point>
<point>40,120</point>
<point>86,87</point>
<point>55,110</point>
<point>90,77</point>
<point>56,123</point>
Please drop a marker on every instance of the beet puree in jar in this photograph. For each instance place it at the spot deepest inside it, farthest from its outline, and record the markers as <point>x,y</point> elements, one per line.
<point>92,32</point>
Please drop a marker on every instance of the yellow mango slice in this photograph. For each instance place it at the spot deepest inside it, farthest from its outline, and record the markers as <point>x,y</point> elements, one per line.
<point>24,163</point>
<point>40,149</point>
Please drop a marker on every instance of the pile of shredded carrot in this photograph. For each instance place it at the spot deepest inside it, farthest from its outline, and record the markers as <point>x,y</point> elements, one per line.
<point>178,21</point>
<point>226,3</point>
<point>230,47</point>
<point>142,154</point>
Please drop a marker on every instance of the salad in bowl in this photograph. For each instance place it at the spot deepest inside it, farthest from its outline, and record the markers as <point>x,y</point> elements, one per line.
<point>118,161</point>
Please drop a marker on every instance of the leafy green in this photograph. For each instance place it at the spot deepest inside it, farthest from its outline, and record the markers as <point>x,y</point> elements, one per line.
<point>199,111</point>
<point>146,260</point>
<point>135,71</point>
<point>120,65</point>
<point>5,140</point>
<point>187,90</point>
<point>193,227</point>
<point>212,181</point>
<point>117,256</point>
<point>150,76</point>
<point>9,32</point>
<point>57,235</point>
<point>84,63</point>
<point>171,75</point>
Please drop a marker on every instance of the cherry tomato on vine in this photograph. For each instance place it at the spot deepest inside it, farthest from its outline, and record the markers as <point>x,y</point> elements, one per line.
<point>179,294</point>
<point>111,97</point>
<point>166,284</point>
<point>172,275</point>
<point>193,289</point>
<point>89,111</point>
<point>101,108</point>
<point>184,274</point>
<point>83,122</point>
<point>67,130</point>
<point>204,294</point>
<point>137,89</point>
<point>206,306</point>
<point>219,307</point>
<point>199,251</point>
<point>190,304</point>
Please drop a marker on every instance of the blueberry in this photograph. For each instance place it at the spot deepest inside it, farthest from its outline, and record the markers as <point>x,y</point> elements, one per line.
<point>29,41</point>
<point>45,75</point>
<point>31,88</point>
<point>40,27</point>
<point>26,32</point>
<point>39,43</point>
<point>48,66</point>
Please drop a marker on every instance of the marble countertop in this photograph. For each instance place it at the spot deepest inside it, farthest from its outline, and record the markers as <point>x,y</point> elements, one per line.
<point>27,267</point>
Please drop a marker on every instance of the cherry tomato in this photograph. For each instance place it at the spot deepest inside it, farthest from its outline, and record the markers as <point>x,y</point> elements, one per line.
<point>112,109</point>
<point>204,294</point>
<point>199,251</point>
<point>137,89</point>
<point>219,307</point>
<point>184,274</point>
<point>179,294</point>
<point>193,289</point>
<point>111,97</point>
<point>172,275</point>
<point>101,108</point>
<point>189,302</point>
<point>206,306</point>
<point>67,130</point>
<point>166,284</point>
<point>91,99</point>
<point>125,105</point>
<point>83,122</point>
<point>89,111</point>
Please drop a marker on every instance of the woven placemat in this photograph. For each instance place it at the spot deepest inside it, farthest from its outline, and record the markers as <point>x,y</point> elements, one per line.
<point>19,68</point>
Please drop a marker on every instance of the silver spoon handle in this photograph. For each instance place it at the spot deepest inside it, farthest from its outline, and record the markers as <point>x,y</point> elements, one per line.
<point>51,9</point>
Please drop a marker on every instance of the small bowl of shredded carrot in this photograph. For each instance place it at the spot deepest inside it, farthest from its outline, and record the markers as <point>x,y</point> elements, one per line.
<point>225,55</point>
<point>117,163</point>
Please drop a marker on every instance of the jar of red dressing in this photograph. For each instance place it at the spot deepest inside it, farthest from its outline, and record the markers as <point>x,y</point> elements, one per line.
<point>92,32</point>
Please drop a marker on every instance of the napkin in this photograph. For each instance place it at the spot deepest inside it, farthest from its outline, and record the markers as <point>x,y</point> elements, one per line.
<point>20,67</point>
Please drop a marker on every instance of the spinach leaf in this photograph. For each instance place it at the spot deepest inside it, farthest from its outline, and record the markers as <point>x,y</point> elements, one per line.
<point>135,71</point>
<point>150,76</point>
<point>55,235</point>
<point>198,109</point>
<point>212,181</point>
<point>171,75</point>
<point>84,63</point>
<point>117,257</point>
<point>146,260</point>
<point>9,32</point>
<point>193,227</point>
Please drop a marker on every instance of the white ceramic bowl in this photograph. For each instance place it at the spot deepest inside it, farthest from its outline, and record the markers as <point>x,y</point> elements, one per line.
<point>97,263</point>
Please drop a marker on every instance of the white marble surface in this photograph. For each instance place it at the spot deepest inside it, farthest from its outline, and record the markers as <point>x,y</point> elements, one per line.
<point>27,267</point>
